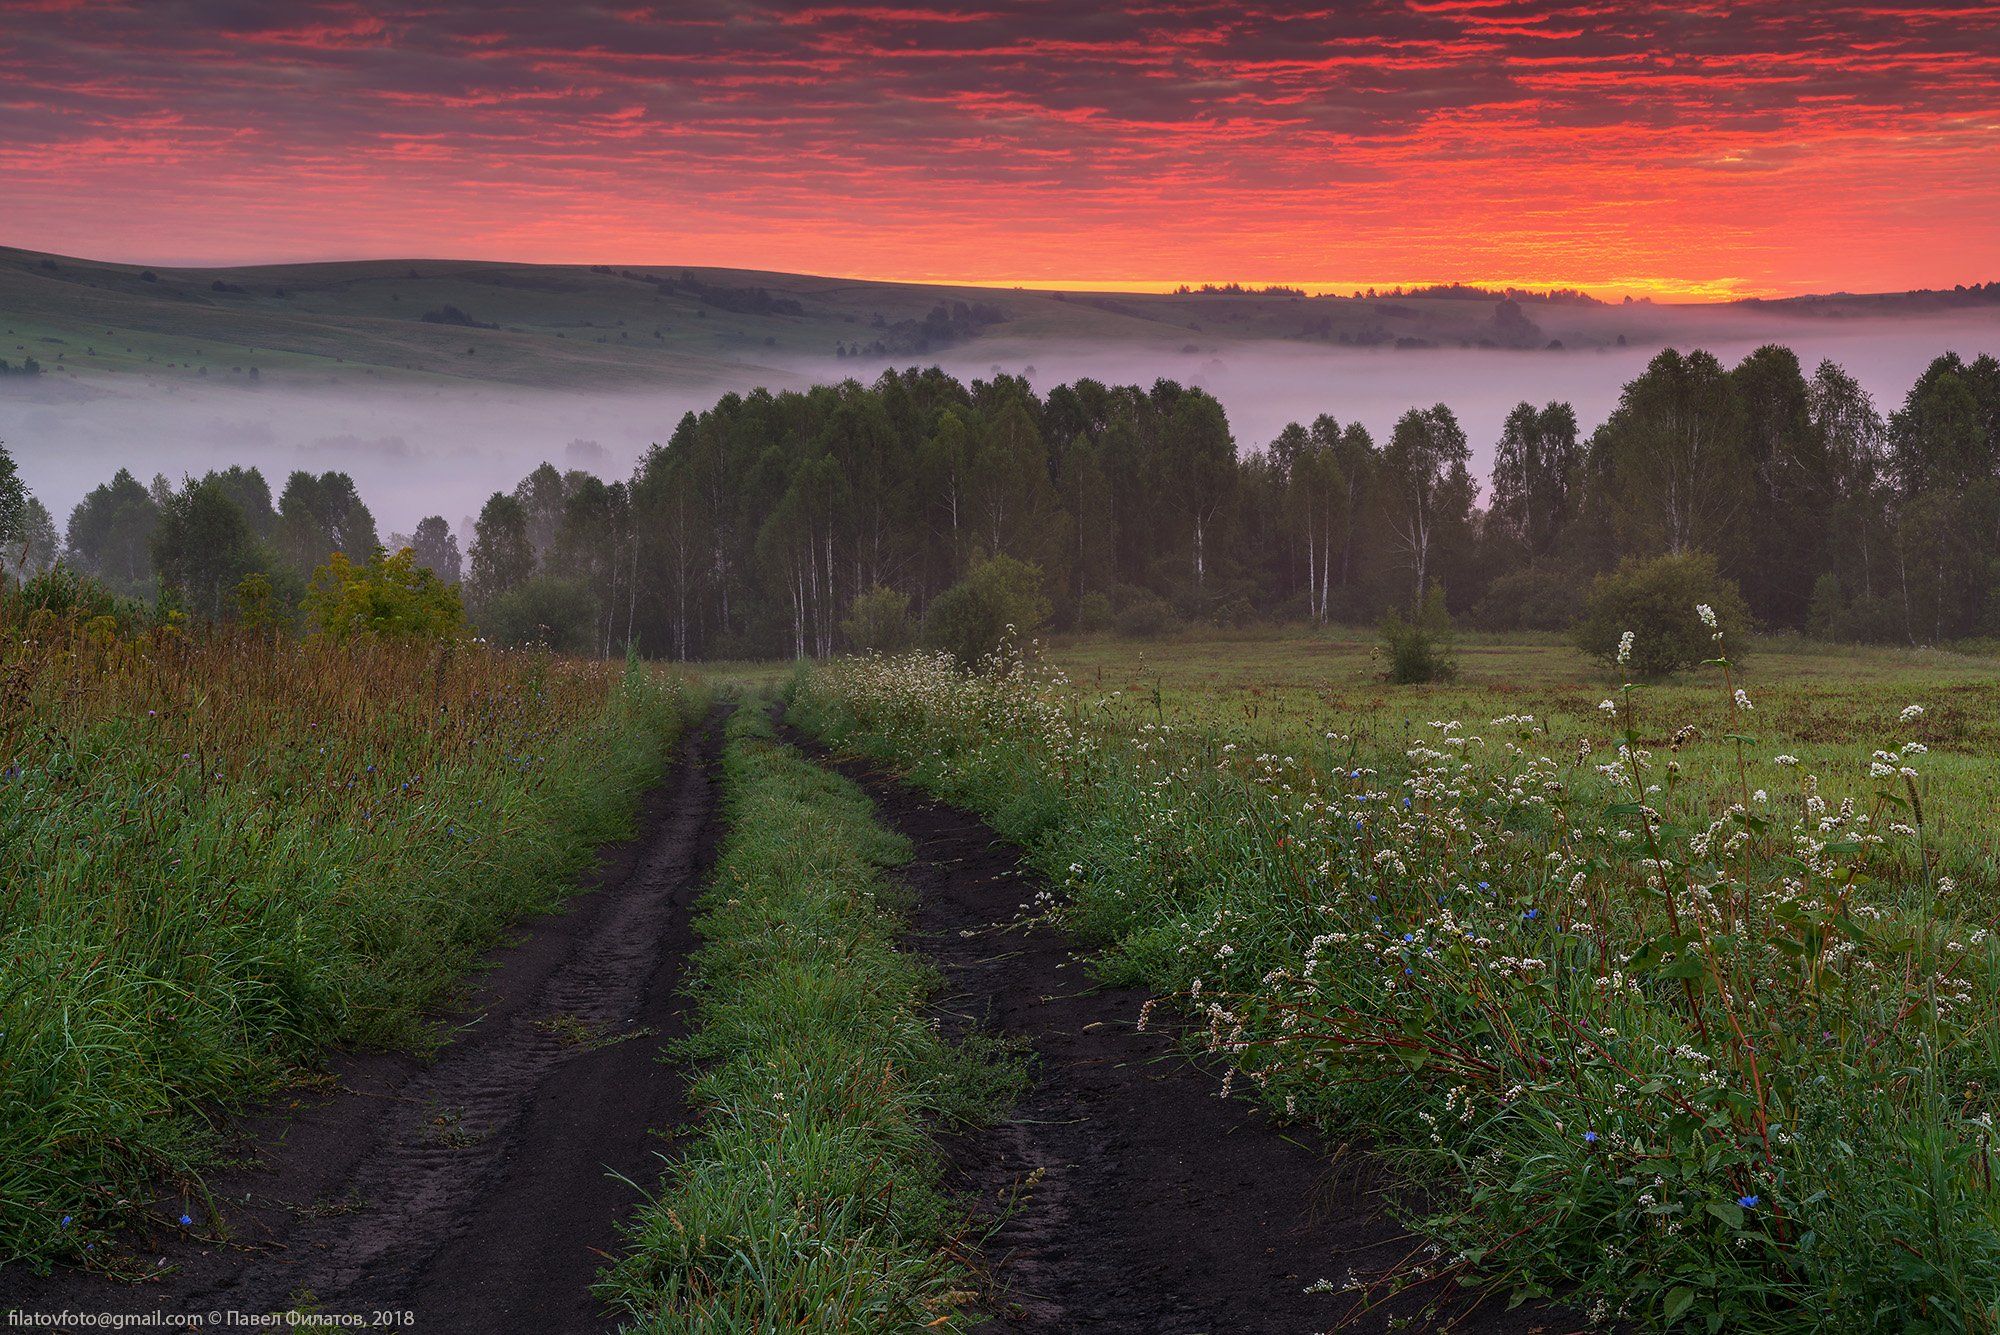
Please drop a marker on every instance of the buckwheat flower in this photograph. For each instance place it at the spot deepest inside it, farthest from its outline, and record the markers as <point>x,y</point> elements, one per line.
<point>1910,714</point>
<point>1706,613</point>
<point>1625,648</point>
<point>1608,706</point>
<point>1743,699</point>
<point>1786,760</point>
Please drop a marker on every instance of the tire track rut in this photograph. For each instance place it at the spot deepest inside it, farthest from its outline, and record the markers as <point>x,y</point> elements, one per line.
<point>1142,1203</point>
<point>480,1189</point>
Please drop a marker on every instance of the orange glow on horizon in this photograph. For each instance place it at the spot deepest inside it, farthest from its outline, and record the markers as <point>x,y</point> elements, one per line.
<point>1643,149</point>
<point>1654,289</point>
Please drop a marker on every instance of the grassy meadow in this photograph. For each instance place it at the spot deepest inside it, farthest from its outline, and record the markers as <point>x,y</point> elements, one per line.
<point>1828,705</point>
<point>221,851</point>
<point>1675,1004</point>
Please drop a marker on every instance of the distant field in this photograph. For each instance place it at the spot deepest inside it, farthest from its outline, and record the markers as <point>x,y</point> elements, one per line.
<point>1829,705</point>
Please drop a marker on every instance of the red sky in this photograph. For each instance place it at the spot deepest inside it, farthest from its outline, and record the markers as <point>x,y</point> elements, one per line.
<point>1683,149</point>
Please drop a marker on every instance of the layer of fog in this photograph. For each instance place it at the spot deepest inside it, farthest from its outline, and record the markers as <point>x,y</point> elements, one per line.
<point>419,451</point>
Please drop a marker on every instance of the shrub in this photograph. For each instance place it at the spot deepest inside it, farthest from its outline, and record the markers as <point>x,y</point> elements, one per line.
<point>1827,608</point>
<point>1655,600</point>
<point>557,614</point>
<point>258,606</point>
<point>1144,616</point>
<point>993,610</point>
<point>1424,649</point>
<point>63,591</point>
<point>1866,618</point>
<point>1535,598</point>
<point>1237,613</point>
<point>1093,613</point>
<point>878,621</point>
<point>390,598</point>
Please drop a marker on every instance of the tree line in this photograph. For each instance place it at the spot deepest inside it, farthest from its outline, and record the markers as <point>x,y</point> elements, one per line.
<point>756,525</point>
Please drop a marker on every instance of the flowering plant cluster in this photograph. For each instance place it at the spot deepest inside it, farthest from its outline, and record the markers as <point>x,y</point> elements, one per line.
<point>1724,1058</point>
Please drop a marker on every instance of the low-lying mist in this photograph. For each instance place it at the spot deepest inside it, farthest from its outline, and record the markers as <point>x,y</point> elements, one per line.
<point>417,450</point>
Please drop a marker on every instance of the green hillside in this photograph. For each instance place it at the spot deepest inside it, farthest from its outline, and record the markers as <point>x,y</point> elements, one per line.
<point>571,324</point>
<point>580,326</point>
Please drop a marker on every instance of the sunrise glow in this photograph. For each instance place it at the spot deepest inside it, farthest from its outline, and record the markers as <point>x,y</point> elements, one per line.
<point>1686,152</point>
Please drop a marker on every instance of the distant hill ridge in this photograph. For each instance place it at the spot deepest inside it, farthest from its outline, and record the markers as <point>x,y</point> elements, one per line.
<point>582,326</point>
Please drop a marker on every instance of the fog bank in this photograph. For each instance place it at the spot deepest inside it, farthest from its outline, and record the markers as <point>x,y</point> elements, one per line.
<point>418,450</point>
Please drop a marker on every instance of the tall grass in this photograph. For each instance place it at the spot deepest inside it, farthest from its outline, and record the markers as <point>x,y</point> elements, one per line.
<point>219,852</point>
<point>808,1199</point>
<point>1714,1053</point>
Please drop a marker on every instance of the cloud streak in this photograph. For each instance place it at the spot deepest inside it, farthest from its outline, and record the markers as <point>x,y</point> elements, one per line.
<point>1680,148</point>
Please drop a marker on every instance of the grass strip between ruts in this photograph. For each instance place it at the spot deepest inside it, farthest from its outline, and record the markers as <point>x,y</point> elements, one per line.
<point>809,1198</point>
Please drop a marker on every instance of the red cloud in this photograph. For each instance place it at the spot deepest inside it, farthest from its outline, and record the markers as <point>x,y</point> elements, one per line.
<point>1651,144</point>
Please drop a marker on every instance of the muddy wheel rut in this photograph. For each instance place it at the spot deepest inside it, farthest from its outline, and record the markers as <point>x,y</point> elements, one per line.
<point>480,1189</point>
<point>1142,1202</point>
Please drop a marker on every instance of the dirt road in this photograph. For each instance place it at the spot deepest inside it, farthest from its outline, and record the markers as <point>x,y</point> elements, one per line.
<point>1157,1207</point>
<point>476,1189</point>
<point>482,1189</point>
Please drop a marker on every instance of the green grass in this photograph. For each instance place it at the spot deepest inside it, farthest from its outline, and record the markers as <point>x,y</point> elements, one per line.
<point>1829,705</point>
<point>808,1198</point>
<point>222,852</point>
<point>1691,1046</point>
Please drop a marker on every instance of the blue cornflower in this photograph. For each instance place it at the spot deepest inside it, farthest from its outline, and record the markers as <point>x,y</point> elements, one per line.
<point>1406,801</point>
<point>187,1221</point>
<point>66,1220</point>
<point>1532,914</point>
<point>1485,885</point>
<point>1590,1137</point>
<point>1747,1202</point>
<point>1407,936</point>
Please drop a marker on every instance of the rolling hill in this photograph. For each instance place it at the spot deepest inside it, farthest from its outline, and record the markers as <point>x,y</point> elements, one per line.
<point>574,326</point>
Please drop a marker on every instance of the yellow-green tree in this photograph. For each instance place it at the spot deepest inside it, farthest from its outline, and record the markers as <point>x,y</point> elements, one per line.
<point>391,597</point>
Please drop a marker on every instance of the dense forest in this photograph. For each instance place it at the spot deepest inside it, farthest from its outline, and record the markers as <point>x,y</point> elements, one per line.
<point>754,527</point>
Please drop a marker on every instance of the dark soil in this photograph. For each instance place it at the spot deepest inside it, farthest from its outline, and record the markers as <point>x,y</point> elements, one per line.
<point>1145,1203</point>
<point>475,1189</point>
